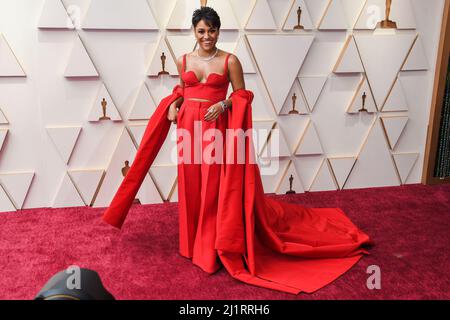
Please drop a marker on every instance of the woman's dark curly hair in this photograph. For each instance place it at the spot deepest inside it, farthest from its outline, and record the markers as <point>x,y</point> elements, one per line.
<point>208,15</point>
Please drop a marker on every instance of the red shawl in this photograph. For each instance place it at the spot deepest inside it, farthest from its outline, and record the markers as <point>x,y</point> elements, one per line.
<point>260,240</point>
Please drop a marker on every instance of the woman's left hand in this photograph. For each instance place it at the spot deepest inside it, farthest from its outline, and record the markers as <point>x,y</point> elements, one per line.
<point>213,112</point>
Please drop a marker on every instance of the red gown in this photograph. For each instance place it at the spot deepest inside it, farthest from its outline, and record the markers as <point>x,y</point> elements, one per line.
<point>230,222</point>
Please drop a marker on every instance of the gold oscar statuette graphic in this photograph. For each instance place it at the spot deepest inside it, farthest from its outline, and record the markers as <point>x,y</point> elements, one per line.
<point>294,99</point>
<point>126,168</point>
<point>386,23</point>
<point>203,3</point>
<point>299,14</point>
<point>104,104</point>
<point>363,109</point>
<point>290,191</point>
<point>163,64</point>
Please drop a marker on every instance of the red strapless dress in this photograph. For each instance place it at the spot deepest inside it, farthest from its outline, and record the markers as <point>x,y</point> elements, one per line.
<point>224,216</point>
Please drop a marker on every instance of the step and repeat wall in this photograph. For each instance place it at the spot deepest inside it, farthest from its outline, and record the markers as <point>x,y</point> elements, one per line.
<point>342,88</point>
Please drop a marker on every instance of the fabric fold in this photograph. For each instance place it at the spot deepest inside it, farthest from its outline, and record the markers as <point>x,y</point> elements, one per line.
<point>154,136</point>
<point>259,240</point>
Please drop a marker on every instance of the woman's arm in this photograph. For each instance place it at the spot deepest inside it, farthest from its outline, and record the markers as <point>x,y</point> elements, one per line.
<point>236,75</point>
<point>172,113</point>
<point>179,101</point>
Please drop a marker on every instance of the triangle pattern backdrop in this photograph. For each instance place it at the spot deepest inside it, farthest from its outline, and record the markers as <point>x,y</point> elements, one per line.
<point>417,59</point>
<point>349,60</point>
<point>310,143</point>
<point>335,17</point>
<point>16,185</point>
<point>261,17</point>
<point>225,11</point>
<point>125,151</point>
<point>401,13</point>
<point>341,168</point>
<point>87,183</point>
<point>144,105</point>
<point>363,98</point>
<point>67,195</point>
<point>272,53</point>
<point>54,16</point>
<point>166,176</point>
<point>295,99</point>
<point>293,127</point>
<point>79,63</point>
<point>244,55</point>
<point>312,88</point>
<point>162,54</point>
<point>292,17</point>
<point>6,204</point>
<point>180,44</point>
<point>272,181</point>
<point>181,15</point>
<point>104,107</point>
<point>369,173</point>
<point>64,139</point>
<point>285,184</point>
<point>9,65</point>
<point>3,119</point>
<point>389,51</point>
<point>324,180</point>
<point>279,70</point>
<point>405,162</point>
<point>397,99</point>
<point>394,127</point>
<point>3,134</point>
<point>119,14</point>
<point>308,167</point>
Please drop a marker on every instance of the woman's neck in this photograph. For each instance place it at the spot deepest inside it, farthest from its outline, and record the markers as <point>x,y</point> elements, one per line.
<point>206,53</point>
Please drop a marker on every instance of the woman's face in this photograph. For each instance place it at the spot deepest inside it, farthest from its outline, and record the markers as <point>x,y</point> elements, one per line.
<point>206,36</point>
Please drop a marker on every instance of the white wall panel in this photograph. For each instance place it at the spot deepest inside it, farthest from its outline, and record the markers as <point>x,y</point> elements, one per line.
<point>35,41</point>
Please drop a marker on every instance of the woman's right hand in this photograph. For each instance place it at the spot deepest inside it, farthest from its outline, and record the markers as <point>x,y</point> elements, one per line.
<point>172,114</point>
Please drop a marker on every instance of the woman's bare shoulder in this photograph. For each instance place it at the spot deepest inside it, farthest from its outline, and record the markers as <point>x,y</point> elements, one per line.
<point>233,59</point>
<point>180,58</point>
<point>233,62</point>
<point>226,53</point>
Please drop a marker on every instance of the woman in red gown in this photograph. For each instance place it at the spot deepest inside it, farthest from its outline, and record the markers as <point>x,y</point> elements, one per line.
<point>224,216</point>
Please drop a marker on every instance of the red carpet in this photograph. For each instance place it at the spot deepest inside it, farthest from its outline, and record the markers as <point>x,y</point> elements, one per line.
<point>409,224</point>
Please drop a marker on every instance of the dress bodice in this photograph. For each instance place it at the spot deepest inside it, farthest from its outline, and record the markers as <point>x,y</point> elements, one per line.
<point>214,89</point>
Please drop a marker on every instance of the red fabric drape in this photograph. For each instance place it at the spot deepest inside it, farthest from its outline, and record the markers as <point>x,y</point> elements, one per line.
<point>154,136</point>
<point>260,241</point>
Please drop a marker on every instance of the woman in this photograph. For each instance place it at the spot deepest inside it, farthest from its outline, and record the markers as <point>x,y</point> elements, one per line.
<point>224,217</point>
<point>205,77</point>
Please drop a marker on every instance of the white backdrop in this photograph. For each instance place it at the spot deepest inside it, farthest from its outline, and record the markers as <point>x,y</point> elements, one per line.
<point>55,152</point>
